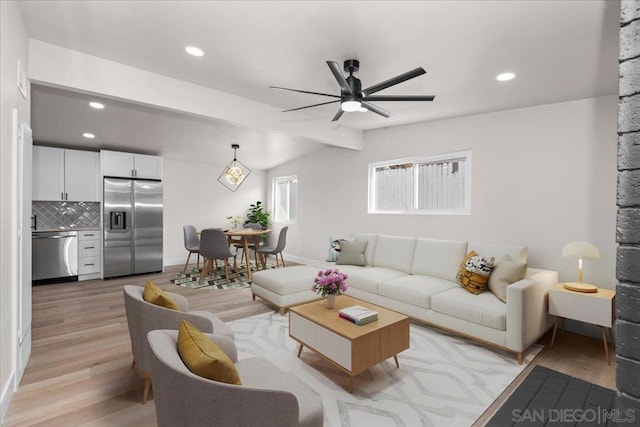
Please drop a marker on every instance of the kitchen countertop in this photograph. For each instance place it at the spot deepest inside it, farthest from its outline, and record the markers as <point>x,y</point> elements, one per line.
<point>44,230</point>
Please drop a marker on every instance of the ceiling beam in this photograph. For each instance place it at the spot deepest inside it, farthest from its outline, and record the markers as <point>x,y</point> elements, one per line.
<point>69,69</point>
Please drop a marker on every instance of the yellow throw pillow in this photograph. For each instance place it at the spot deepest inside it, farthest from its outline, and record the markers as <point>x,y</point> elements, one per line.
<point>474,272</point>
<point>155,295</point>
<point>203,357</point>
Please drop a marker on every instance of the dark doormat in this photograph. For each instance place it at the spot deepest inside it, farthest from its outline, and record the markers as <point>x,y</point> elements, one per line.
<point>550,398</point>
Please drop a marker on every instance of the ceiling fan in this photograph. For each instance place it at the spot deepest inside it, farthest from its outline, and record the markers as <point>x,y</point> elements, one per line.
<point>353,98</point>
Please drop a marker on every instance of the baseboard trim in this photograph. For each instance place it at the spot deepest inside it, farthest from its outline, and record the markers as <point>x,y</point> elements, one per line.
<point>7,394</point>
<point>178,260</point>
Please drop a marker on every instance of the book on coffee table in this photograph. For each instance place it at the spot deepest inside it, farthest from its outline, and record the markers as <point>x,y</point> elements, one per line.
<point>358,314</point>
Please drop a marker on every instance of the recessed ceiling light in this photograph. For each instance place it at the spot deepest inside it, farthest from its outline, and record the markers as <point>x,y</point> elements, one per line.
<point>195,51</point>
<point>96,105</point>
<point>88,135</point>
<point>505,77</point>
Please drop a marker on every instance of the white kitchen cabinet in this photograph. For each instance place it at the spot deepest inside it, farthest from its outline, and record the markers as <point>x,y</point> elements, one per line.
<point>148,167</point>
<point>89,250</point>
<point>130,165</point>
<point>81,175</point>
<point>48,173</point>
<point>60,174</point>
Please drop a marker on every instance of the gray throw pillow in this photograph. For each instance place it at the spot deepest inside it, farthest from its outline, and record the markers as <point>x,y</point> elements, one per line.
<point>506,272</point>
<point>352,253</point>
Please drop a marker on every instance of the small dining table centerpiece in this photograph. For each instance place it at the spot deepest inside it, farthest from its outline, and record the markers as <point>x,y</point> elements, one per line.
<point>329,283</point>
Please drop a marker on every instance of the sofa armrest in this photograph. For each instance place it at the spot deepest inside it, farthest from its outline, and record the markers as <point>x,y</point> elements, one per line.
<point>527,308</point>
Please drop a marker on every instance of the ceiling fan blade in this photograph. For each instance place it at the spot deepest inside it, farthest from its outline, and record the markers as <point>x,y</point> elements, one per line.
<point>337,73</point>
<point>395,80</point>
<point>369,106</point>
<point>399,98</point>
<point>309,106</point>
<point>338,115</point>
<point>305,91</point>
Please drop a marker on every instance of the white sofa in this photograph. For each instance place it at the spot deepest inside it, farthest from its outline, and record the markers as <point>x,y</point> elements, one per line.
<point>417,277</point>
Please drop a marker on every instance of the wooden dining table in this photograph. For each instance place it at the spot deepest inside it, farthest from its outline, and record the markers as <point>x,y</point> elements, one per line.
<point>247,236</point>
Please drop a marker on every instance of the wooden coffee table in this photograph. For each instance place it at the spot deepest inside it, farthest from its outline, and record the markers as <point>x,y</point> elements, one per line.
<point>350,347</point>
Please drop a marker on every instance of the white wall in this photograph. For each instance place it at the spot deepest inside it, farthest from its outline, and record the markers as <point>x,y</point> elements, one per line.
<point>13,46</point>
<point>193,195</point>
<point>542,176</point>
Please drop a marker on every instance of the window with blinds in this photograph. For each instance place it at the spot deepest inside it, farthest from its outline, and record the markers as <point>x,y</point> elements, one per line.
<point>438,185</point>
<point>285,199</point>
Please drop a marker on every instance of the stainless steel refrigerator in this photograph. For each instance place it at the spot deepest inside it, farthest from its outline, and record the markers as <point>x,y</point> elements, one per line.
<point>132,226</point>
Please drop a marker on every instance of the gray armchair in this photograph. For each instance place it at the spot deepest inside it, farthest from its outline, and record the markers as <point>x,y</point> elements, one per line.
<point>143,317</point>
<point>268,396</point>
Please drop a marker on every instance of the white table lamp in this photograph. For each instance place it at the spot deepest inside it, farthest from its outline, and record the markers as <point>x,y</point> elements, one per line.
<point>580,250</point>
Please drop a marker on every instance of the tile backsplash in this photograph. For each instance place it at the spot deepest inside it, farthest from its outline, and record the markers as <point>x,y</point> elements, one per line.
<point>65,215</point>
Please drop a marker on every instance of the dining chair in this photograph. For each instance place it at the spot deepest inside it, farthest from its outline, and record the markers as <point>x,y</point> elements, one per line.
<point>275,250</point>
<point>213,246</point>
<point>192,244</point>
<point>238,242</point>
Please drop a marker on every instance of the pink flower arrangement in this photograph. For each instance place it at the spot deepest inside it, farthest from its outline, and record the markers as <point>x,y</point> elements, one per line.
<point>329,282</point>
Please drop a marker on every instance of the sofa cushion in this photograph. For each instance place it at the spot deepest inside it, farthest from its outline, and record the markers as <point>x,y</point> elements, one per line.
<point>415,289</point>
<point>438,258</point>
<point>367,279</point>
<point>352,253</point>
<point>154,294</point>
<point>203,357</point>
<point>371,240</point>
<point>484,309</point>
<point>394,252</point>
<point>474,272</point>
<point>506,272</point>
<point>517,253</point>
<point>285,281</point>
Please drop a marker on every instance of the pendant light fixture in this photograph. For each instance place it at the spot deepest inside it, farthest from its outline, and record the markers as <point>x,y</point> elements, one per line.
<point>234,173</point>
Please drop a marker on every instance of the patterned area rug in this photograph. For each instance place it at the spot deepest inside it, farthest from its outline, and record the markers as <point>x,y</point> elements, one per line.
<point>216,279</point>
<point>443,380</point>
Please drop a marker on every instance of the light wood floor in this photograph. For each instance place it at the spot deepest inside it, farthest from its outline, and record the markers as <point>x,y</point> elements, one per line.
<point>80,367</point>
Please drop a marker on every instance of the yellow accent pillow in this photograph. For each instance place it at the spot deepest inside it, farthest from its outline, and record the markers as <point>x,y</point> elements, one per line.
<point>474,271</point>
<point>155,295</point>
<point>203,357</point>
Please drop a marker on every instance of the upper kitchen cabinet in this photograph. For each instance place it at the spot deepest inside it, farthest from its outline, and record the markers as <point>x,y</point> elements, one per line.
<point>60,174</point>
<point>129,165</point>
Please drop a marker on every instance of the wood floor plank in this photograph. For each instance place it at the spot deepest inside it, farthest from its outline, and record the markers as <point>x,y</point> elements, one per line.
<point>80,368</point>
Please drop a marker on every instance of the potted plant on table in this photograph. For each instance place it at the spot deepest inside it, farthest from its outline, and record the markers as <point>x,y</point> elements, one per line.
<point>257,215</point>
<point>329,283</point>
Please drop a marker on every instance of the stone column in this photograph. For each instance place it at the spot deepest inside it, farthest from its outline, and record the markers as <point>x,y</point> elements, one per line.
<point>628,221</point>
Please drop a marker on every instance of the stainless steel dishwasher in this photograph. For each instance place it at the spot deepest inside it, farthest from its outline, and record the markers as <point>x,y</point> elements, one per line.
<point>55,256</point>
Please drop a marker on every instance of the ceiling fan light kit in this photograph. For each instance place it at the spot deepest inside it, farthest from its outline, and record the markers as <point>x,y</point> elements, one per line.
<point>235,173</point>
<point>353,98</point>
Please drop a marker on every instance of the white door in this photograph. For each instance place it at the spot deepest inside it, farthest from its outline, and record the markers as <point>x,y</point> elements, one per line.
<point>81,175</point>
<point>116,164</point>
<point>148,167</point>
<point>24,144</point>
<point>48,173</point>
